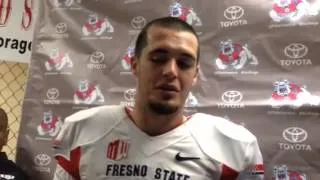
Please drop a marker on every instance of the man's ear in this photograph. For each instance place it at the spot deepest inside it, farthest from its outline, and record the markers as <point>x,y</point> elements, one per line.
<point>196,75</point>
<point>134,68</point>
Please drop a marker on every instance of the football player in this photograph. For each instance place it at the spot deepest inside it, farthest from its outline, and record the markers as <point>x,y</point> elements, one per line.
<point>153,139</point>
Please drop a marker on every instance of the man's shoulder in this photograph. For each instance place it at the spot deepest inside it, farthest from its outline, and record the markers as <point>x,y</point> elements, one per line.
<point>107,113</point>
<point>214,125</point>
<point>87,126</point>
<point>222,140</point>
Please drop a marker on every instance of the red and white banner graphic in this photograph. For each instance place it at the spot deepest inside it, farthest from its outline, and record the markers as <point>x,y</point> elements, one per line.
<point>17,19</point>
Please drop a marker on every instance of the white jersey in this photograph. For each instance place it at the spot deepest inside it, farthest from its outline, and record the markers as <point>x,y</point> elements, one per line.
<point>103,143</point>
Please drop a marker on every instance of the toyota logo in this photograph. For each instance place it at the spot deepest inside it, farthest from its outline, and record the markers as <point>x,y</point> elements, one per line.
<point>295,134</point>
<point>130,94</point>
<point>231,97</point>
<point>52,93</point>
<point>61,28</point>
<point>97,57</point>
<point>42,160</point>
<point>138,22</point>
<point>233,12</point>
<point>296,50</point>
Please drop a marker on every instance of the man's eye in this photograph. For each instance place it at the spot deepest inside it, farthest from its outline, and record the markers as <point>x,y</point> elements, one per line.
<point>184,65</point>
<point>158,58</point>
<point>185,62</point>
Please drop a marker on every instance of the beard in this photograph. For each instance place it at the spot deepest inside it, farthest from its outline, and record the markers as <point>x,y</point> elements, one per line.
<point>163,108</point>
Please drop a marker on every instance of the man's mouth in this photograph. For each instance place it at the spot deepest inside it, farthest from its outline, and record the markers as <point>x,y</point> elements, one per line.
<point>168,87</point>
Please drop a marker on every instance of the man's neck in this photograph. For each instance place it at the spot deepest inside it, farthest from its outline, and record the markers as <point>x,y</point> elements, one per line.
<point>154,124</point>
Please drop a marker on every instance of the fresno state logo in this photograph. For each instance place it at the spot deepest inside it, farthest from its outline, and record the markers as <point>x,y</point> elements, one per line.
<point>58,60</point>
<point>96,26</point>
<point>291,10</point>
<point>50,124</point>
<point>281,172</point>
<point>88,93</point>
<point>291,94</point>
<point>234,56</point>
<point>126,60</point>
<point>184,13</point>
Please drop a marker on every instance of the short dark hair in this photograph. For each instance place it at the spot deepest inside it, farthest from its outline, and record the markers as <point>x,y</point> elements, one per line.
<point>3,119</point>
<point>165,22</point>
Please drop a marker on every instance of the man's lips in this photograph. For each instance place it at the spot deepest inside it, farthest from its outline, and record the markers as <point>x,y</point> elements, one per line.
<point>168,87</point>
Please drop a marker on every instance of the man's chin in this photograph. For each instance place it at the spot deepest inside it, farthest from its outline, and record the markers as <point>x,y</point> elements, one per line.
<point>163,108</point>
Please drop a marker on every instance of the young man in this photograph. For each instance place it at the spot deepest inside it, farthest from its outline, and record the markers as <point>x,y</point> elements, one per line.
<point>8,169</point>
<point>154,140</point>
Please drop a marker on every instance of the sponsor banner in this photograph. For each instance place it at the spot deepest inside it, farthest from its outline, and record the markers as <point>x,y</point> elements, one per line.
<point>17,21</point>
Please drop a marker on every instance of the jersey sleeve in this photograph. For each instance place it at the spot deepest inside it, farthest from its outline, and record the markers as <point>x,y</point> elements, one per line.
<point>67,157</point>
<point>80,128</point>
<point>255,167</point>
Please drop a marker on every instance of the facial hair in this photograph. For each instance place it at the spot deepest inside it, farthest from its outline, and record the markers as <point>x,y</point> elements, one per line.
<point>163,109</point>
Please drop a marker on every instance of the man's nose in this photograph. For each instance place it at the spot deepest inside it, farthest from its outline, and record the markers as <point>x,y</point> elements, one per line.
<point>170,68</point>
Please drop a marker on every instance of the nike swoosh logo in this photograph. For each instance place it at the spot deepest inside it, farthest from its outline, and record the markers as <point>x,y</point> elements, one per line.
<point>185,158</point>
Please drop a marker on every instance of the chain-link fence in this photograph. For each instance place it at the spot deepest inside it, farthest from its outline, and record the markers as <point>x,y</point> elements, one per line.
<point>12,86</point>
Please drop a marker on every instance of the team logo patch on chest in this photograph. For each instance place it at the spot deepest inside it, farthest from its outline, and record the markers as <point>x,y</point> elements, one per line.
<point>117,149</point>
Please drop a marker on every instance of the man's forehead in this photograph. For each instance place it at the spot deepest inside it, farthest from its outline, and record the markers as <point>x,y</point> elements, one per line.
<point>159,37</point>
<point>158,32</point>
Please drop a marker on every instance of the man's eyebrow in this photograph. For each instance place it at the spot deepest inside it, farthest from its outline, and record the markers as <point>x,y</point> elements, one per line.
<point>164,51</point>
<point>159,50</point>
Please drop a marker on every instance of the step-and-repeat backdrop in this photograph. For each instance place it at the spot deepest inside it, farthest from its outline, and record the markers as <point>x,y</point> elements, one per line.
<point>260,68</point>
